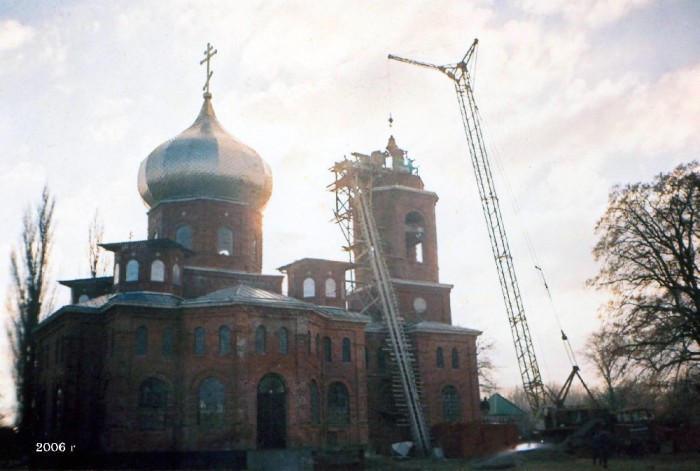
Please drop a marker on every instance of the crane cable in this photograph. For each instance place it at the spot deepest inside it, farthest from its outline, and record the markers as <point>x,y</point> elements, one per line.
<point>531,249</point>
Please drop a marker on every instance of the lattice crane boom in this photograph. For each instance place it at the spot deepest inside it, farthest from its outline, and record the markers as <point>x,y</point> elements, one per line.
<point>527,360</point>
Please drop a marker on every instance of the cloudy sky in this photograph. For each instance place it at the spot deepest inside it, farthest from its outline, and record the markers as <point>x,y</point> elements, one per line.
<point>576,97</point>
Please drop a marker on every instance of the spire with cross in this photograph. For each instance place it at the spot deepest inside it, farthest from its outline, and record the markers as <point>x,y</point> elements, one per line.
<point>208,54</point>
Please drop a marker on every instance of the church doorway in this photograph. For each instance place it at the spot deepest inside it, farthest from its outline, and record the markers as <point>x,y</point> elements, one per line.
<point>272,412</point>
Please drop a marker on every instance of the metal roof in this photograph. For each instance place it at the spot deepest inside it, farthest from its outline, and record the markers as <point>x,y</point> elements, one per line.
<point>427,326</point>
<point>205,161</point>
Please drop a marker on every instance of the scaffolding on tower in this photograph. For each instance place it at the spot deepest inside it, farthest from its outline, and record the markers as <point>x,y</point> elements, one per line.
<point>371,281</point>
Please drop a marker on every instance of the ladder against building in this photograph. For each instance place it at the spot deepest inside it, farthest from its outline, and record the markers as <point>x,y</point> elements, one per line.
<point>353,186</point>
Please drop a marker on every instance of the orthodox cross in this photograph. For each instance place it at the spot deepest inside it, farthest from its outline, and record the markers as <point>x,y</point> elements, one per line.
<point>208,54</point>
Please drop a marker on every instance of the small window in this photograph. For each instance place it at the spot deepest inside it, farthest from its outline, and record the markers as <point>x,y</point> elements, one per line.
<point>255,249</point>
<point>451,410</point>
<point>284,341</point>
<point>83,298</point>
<point>224,339</point>
<point>116,273</point>
<point>58,409</point>
<point>168,340</point>
<point>318,346</point>
<point>455,358</point>
<point>260,335</point>
<point>346,350</point>
<point>338,405</point>
<point>309,288</point>
<point>158,271</point>
<point>199,341</point>
<point>176,274</point>
<point>152,403</point>
<point>330,288</point>
<point>224,241</point>
<point>314,401</point>
<point>183,236</point>
<point>132,270</point>
<point>327,349</point>
<point>212,394</point>
<point>440,358</point>
<point>141,347</point>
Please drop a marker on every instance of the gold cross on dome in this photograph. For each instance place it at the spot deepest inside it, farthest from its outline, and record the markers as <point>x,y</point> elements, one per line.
<point>208,54</point>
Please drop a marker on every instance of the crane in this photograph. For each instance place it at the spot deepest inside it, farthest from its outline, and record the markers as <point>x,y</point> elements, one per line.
<point>471,120</point>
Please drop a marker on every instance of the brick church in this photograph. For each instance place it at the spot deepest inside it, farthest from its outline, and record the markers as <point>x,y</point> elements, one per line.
<point>189,347</point>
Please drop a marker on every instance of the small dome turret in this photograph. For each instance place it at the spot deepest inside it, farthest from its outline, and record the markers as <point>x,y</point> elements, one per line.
<point>205,161</point>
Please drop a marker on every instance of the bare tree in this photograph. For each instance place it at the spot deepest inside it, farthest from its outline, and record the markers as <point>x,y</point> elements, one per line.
<point>28,301</point>
<point>648,244</point>
<point>605,352</point>
<point>485,366</point>
<point>98,264</point>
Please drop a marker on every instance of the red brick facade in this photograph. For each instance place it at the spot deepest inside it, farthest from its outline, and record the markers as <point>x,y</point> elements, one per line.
<point>191,348</point>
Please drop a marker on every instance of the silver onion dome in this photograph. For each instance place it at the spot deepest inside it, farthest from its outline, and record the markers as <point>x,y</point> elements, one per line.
<point>205,161</point>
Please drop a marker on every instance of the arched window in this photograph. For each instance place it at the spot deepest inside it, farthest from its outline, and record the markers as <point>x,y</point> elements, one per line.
<point>381,359</point>
<point>132,270</point>
<point>152,403</point>
<point>176,274</point>
<point>141,345</point>
<point>58,408</point>
<point>157,271</point>
<point>168,340</point>
<point>284,341</point>
<point>199,341</point>
<point>455,358</point>
<point>260,339</point>
<point>415,234</point>
<point>338,409</point>
<point>314,402</point>
<point>224,339</point>
<point>327,349</point>
<point>451,410</point>
<point>183,236</point>
<point>212,395</point>
<point>330,288</point>
<point>386,404</point>
<point>224,244</point>
<point>440,358</point>
<point>309,288</point>
<point>116,273</point>
<point>346,349</point>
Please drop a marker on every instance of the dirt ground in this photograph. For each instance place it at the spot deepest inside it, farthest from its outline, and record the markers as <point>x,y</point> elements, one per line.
<point>682,462</point>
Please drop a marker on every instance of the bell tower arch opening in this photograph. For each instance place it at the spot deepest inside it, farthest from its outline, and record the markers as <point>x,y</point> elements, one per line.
<point>414,235</point>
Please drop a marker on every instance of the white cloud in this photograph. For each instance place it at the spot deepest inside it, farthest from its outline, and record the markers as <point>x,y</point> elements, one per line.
<point>591,13</point>
<point>14,34</point>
